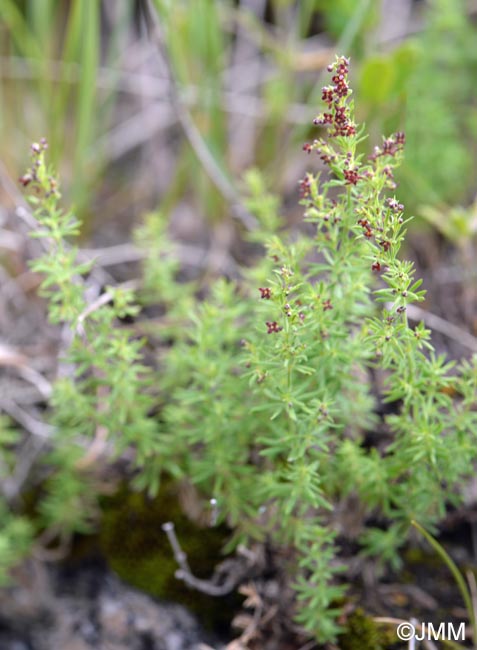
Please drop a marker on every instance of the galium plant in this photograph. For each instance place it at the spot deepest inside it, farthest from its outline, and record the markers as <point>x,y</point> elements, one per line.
<point>275,395</point>
<point>101,403</point>
<point>265,389</point>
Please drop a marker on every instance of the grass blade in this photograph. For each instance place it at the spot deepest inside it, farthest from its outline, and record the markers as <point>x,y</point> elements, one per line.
<point>458,577</point>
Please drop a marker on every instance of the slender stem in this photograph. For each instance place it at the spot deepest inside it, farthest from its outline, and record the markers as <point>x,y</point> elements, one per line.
<point>458,577</point>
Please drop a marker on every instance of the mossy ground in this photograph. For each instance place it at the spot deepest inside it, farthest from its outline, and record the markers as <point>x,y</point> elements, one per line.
<point>363,633</point>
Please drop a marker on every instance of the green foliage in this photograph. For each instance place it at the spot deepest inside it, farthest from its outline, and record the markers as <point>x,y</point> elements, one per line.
<point>384,79</point>
<point>103,403</point>
<point>16,532</point>
<point>264,394</point>
<point>270,393</point>
<point>457,224</point>
<point>439,120</point>
<point>425,86</point>
<point>61,283</point>
<point>339,15</point>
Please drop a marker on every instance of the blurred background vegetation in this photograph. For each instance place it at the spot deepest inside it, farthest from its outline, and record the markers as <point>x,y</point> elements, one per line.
<point>138,123</point>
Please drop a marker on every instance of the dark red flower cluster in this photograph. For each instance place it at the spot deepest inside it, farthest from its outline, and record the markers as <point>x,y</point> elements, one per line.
<point>327,95</point>
<point>341,122</point>
<point>389,173</point>
<point>340,79</point>
<point>304,185</point>
<point>324,118</point>
<point>273,327</point>
<point>265,293</point>
<point>327,305</point>
<point>26,179</point>
<point>395,205</point>
<point>327,158</point>
<point>364,223</point>
<point>400,138</point>
<point>338,115</point>
<point>343,126</point>
<point>376,266</point>
<point>390,146</point>
<point>31,175</point>
<point>351,176</point>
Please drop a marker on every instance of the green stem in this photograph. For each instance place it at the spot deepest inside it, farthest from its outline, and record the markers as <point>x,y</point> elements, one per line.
<point>458,577</point>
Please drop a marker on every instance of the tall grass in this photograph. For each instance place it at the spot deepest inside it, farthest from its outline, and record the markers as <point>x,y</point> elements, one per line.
<point>249,81</point>
<point>50,63</point>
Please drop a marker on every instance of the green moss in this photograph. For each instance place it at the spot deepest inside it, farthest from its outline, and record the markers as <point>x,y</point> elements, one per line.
<point>362,633</point>
<point>137,549</point>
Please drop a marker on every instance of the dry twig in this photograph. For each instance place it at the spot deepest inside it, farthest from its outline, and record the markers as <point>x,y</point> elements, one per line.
<point>12,358</point>
<point>27,421</point>
<point>235,571</point>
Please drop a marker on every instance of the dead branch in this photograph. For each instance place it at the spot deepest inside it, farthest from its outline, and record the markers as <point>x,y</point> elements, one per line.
<point>235,571</point>
<point>27,421</point>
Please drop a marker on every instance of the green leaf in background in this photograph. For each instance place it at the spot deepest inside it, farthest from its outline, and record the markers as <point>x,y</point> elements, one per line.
<point>403,58</point>
<point>441,94</point>
<point>39,14</point>
<point>384,77</point>
<point>339,13</point>
<point>277,97</point>
<point>89,61</point>
<point>377,79</point>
